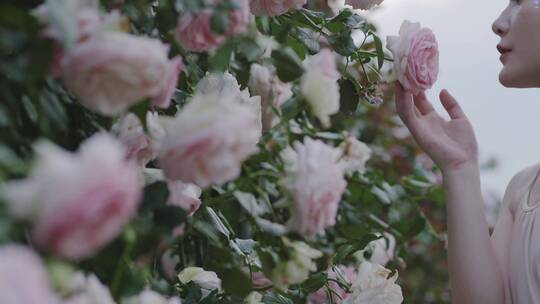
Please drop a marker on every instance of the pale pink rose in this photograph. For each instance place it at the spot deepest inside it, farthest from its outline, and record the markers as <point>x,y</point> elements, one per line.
<point>324,62</point>
<point>364,4</point>
<point>23,278</point>
<point>184,195</point>
<point>129,130</point>
<point>210,137</point>
<point>113,70</point>
<point>314,179</point>
<point>382,250</point>
<point>338,294</point>
<point>416,56</point>
<point>264,82</point>
<point>87,289</point>
<point>375,286</point>
<point>274,7</point>
<point>194,32</point>
<point>77,202</point>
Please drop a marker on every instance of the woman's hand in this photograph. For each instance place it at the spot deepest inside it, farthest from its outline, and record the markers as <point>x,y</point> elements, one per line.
<point>450,143</point>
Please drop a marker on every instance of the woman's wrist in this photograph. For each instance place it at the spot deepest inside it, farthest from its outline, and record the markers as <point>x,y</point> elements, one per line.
<point>461,170</point>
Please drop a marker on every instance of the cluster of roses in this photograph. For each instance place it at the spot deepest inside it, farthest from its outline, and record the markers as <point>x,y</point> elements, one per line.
<point>79,202</point>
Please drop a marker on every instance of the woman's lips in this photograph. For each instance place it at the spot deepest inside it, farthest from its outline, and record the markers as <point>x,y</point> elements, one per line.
<point>504,56</point>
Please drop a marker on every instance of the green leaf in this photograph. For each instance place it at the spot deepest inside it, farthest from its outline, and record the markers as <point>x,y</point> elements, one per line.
<point>379,49</point>
<point>169,216</point>
<point>342,43</point>
<point>235,282</point>
<point>155,195</point>
<point>343,252</point>
<point>275,299</point>
<point>315,281</point>
<point>219,21</point>
<point>288,64</point>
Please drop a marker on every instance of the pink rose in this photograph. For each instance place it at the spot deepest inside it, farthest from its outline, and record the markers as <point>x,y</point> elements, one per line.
<point>194,32</point>
<point>338,294</point>
<point>77,202</point>
<point>364,4</point>
<point>113,70</point>
<point>314,178</point>
<point>274,7</point>
<point>416,57</point>
<point>264,82</point>
<point>23,278</point>
<point>210,137</point>
<point>185,196</point>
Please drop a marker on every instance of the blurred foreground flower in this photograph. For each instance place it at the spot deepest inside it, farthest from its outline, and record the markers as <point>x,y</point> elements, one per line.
<point>210,137</point>
<point>315,181</point>
<point>77,202</point>
<point>23,278</point>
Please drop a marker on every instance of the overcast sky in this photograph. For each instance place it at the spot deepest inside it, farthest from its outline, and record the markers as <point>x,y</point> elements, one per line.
<point>505,120</point>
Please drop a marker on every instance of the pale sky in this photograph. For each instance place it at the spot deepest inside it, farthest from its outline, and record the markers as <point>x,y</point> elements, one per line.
<point>504,119</point>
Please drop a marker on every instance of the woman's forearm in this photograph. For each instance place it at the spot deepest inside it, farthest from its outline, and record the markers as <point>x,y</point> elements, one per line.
<point>475,275</point>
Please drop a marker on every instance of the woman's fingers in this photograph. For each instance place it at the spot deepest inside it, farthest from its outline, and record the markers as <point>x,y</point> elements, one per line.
<point>423,104</point>
<point>405,106</point>
<point>451,105</point>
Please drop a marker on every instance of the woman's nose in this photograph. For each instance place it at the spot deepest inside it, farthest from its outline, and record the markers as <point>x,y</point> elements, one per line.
<point>500,26</point>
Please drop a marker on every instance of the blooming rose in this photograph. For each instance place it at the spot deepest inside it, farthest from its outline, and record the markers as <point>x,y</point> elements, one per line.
<point>338,294</point>
<point>319,85</point>
<point>209,138</point>
<point>194,31</point>
<point>274,7</point>
<point>78,202</point>
<point>373,286</point>
<point>297,268</point>
<point>150,297</point>
<point>87,289</point>
<point>23,278</point>
<point>314,178</point>
<point>355,154</point>
<point>112,70</point>
<point>206,280</point>
<point>264,82</point>
<point>416,56</point>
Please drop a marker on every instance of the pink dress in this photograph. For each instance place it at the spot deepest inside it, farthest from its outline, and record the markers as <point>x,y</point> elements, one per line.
<point>523,283</point>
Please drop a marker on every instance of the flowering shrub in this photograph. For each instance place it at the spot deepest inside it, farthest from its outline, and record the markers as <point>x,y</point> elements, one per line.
<point>210,151</point>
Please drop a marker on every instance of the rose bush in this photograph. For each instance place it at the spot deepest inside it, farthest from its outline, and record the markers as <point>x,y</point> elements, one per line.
<point>222,151</point>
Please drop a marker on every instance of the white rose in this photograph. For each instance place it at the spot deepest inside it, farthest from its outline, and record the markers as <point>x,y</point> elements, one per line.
<point>205,279</point>
<point>373,286</point>
<point>382,250</point>
<point>150,297</point>
<point>298,267</point>
<point>319,85</point>
<point>355,154</point>
<point>253,298</point>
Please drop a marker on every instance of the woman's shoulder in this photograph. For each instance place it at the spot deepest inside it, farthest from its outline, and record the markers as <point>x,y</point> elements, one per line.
<point>518,184</point>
